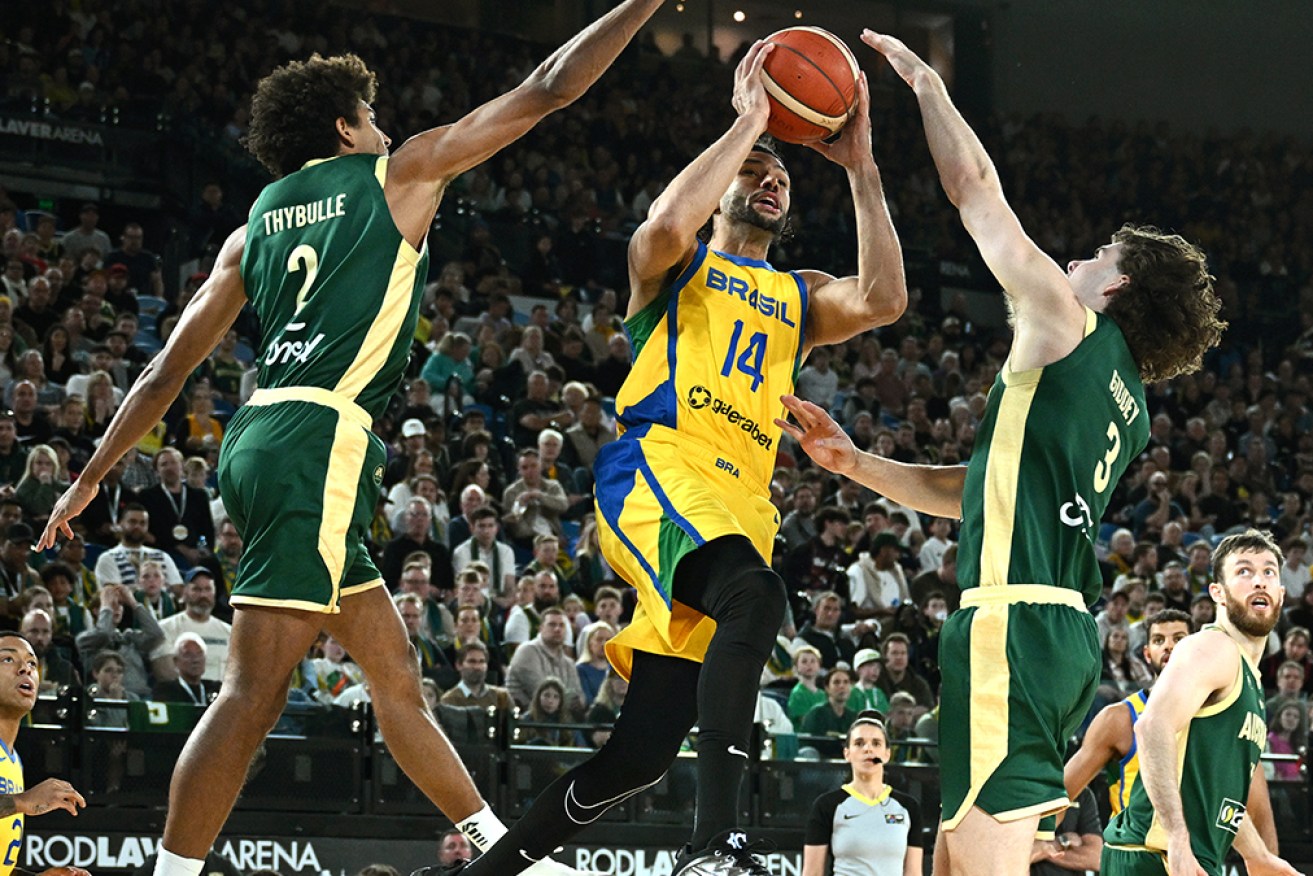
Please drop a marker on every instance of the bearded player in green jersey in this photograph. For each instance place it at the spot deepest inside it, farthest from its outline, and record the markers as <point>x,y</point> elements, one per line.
<point>1202,732</point>
<point>1065,416</point>
<point>333,260</point>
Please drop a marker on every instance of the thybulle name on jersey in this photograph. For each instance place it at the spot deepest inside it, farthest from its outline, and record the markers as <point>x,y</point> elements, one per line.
<point>301,215</point>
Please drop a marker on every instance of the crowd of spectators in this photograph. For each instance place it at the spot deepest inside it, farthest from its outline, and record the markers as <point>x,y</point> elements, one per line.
<point>484,530</point>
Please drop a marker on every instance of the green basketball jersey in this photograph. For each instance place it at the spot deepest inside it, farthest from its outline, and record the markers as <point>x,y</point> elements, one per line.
<point>1049,450</point>
<point>1217,753</point>
<point>336,286</point>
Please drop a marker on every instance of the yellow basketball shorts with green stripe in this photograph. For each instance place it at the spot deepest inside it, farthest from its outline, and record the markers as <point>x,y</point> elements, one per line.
<point>1020,667</point>
<point>660,497</point>
<point>300,481</point>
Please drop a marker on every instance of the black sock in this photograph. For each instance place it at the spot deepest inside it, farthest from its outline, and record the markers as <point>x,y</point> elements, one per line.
<point>658,712</point>
<point>728,581</point>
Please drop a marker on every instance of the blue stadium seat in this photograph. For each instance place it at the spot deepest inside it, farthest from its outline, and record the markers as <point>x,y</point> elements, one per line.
<point>1190,538</point>
<point>1105,532</point>
<point>150,305</point>
<point>244,353</point>
<point>570,535</point>
<point>148,344</point>
<point>93,552</point>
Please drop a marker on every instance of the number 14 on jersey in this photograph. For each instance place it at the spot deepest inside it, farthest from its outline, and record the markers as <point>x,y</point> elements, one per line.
<point>752,358</point>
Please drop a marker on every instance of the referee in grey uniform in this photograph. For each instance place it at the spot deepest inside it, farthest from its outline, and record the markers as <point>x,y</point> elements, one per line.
<point>866,827</point>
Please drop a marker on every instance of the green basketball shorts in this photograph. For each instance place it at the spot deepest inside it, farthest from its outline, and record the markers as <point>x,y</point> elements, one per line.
<point>299,475</point>
<point>1020,666</point>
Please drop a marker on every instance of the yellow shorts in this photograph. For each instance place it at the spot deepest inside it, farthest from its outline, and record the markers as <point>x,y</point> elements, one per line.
<point>659,496</point>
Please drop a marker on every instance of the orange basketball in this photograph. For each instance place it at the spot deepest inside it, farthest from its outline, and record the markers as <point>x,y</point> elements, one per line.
<point>811,81</point>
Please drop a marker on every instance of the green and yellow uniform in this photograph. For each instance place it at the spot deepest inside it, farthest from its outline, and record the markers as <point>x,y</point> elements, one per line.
<point>713,353</point>
<point>1217,753</point>
<point>337,290</point>
<point>1022,658</point>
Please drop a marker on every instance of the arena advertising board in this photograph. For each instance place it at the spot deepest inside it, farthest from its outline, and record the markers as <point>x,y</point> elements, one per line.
<point>114,853</point>
<point>103,853</point>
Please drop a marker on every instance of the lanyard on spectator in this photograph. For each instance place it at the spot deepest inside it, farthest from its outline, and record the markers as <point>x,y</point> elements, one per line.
<point>114,503</point>
<point>178,510</point>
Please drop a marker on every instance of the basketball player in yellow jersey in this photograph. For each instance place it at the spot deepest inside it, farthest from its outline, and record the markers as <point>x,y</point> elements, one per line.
<point>683,501</point>
<point>18,690</point>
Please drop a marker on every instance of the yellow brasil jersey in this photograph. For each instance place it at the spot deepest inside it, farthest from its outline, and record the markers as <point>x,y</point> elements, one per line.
<point>712,356</point>
<point>11,829</point>
<point>1121,775</point>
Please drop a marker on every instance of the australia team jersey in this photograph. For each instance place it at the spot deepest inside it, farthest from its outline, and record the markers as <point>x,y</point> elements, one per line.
<point>1217,753</point>
<point>1049,450</point>
<point>327,228</point>
<point>11,828</point>
<point>712,356</point>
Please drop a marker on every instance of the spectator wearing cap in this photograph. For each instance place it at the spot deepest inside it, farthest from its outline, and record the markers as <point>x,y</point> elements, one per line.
<point>86,235</point>
<point>1114,613</point>
<point>198,599</point>
<point>118,294</point>
<point>144,273</point>
<point>413,437</point>
<point>877,584</point>
<point>124,627</point>
<point>190,686</point>
<point>16,572</point>
<point>821,563</point>
<point>866,693</point>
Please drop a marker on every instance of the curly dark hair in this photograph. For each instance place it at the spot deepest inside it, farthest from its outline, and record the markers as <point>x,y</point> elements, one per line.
<point>1168,313</point>
<point>296,107</point>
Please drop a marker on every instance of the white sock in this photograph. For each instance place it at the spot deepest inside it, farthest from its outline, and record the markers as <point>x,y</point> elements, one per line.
<point>483,828</point>
<point>169,864</point>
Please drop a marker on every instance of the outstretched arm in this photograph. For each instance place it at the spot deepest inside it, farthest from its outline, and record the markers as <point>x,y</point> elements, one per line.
<point>843,308</point>
<point>1029,277</point>
<point>439,155</point>
<point>667,237</point>
<point>1108,738</point>
<point>200,328</point>
<point>930,489</point>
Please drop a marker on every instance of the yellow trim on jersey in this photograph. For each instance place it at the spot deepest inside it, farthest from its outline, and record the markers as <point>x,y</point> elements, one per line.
<point>381,170</point>
<point>1002,473</point>
<point>1037,594</point>
<point>1156,836</point>
<point>990,685</point>
<point>869,801</point>
<point>315,395</point>
<point>382,335</point>
<point>1091,322</point>
<point>341,484</point>
<point>1237,688</point>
